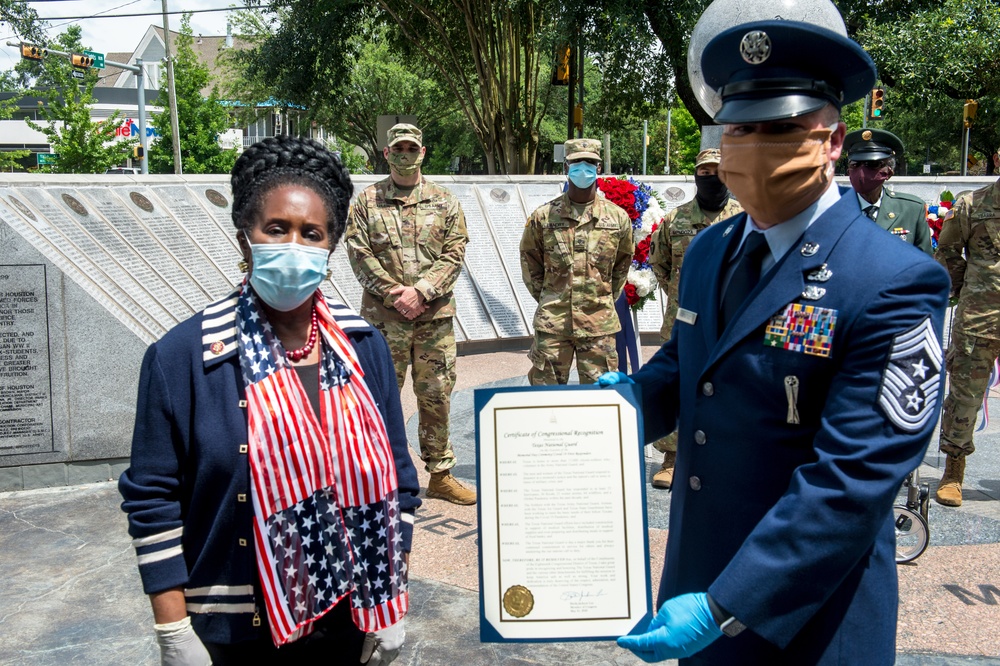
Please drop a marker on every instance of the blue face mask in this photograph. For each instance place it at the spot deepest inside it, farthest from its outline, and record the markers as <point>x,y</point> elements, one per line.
<point>582,174</point>
<point>286,275</point>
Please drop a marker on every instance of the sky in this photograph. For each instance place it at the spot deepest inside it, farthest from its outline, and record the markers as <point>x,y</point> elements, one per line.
<point>108,35</point>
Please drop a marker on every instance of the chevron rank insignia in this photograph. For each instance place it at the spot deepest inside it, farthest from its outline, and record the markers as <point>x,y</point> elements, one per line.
<point>802,328</point>
<point>911,380</point>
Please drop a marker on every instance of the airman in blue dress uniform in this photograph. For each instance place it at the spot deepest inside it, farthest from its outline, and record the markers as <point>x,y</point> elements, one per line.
<point>803,377</point>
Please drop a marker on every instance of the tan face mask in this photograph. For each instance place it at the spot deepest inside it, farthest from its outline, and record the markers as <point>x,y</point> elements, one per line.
<point>405,163</point>
<point>777,176</point>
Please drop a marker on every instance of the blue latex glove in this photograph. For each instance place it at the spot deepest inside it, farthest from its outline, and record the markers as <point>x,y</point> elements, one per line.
<point>683,627</point>
<point>611,378</point>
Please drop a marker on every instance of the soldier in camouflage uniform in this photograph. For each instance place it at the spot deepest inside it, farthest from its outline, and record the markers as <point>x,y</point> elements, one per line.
<point>969,247</point>
<point>712,203</point>
<point>406,240</point>
<point>575,254</point>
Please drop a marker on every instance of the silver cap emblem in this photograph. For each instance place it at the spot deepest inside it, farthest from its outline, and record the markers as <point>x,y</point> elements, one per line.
<point>813,293</point>
<point>821,274</point>
<point>755,47</point>
<point>728,229</point>
<point>809,249</point>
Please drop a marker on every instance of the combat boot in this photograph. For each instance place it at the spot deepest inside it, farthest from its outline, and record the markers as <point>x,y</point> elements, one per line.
<point>949,491</point>
<point>664,478</point>
<point>445,486</point>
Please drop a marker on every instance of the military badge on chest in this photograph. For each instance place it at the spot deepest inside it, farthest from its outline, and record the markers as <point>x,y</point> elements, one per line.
<point>911,380</point>
<point>802,328</point>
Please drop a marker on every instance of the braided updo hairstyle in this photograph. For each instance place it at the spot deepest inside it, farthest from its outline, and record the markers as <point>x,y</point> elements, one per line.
<point>285,160</point>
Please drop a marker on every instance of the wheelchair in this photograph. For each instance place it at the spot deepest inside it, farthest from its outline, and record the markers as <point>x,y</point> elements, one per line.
<point>912,530</point>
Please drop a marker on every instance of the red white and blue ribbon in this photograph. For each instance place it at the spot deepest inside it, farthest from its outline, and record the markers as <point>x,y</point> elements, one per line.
<point>992,384</point>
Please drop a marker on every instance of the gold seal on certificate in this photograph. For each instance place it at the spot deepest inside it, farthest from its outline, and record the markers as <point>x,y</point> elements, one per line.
<point>518,600</point>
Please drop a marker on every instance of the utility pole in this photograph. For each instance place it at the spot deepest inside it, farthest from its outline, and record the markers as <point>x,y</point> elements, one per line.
<point>645,144</point>
<point>171,93</point>
<point>666,168</point>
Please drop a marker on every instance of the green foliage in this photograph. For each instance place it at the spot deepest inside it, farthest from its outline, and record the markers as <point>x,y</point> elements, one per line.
<point>200,120</point>
<point>21,19</point>
<point>83,145</point>
<point>933,61</point>
<point>10,159</point>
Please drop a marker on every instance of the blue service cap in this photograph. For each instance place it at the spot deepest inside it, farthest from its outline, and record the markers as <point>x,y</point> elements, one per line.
<point>770,70</point>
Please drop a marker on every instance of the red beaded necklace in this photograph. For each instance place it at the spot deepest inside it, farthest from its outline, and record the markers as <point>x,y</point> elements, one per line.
<point>304,350</point>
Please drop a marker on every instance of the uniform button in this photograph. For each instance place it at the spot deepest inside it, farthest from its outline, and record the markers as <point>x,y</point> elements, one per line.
<point>699,437</point>
<point>695,483</point>
<point>708,389</point>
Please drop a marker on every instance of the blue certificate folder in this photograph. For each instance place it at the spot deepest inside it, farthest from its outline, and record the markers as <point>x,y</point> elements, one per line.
<point>509,617</point>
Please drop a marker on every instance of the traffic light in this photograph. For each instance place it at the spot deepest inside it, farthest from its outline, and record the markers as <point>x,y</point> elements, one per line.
<point>82,60</point>
<point>578,117</point>
<point>969,112</point>
<point>560,76</point>
<point>878,103</point>
<point>138,153</point>
<point>32,52</point>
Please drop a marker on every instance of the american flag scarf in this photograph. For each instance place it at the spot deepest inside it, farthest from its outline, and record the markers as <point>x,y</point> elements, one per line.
<point>326,509</point>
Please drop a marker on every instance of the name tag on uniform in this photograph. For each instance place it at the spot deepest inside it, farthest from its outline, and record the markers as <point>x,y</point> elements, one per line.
<point>687,316</point>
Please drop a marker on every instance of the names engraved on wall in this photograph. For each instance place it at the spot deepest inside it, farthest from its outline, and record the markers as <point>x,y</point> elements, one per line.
<point>114,211</point>
<point>117,250</point>
<point>217,241</point>
<point>347,286</point>
<point>184,248</point>
<point>104,273</point>
<point>484,264</point>
<point>471,315</point>
<point>25,388</point>
<point>507,218</point>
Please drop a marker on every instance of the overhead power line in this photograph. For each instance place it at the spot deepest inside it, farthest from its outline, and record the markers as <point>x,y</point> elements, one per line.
<point>104,16</point>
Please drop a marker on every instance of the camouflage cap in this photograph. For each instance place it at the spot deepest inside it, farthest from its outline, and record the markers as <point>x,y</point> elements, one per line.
<point>404,132</point>
<point>710,156</point>
<point>582,149</point>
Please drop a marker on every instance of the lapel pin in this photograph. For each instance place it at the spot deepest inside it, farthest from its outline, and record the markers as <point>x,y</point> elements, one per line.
<point>813,293</point>
<point>809,249</point>
<point>217,347</point>
<point>892,215</point>
<point>728,229</point>
<point>821,274</point>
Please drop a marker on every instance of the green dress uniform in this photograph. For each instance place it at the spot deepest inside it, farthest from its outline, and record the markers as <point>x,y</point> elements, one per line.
<point>574,261</point>
<point>904,215</point>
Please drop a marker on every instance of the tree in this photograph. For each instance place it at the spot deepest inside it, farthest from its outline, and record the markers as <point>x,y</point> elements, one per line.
<point>83,145</point>
<point>200,120</point>
<point>21,18</point>
<point>933,62</point>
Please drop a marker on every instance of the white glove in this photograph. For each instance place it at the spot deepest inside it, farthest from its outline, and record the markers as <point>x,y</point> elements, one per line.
<point>382,647</point>
<point>180,646</point>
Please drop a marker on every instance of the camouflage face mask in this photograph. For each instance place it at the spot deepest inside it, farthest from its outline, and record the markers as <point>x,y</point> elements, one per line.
<point>405,164</point>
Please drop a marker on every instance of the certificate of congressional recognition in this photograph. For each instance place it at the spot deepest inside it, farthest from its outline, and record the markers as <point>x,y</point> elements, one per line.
<point>563,552</point>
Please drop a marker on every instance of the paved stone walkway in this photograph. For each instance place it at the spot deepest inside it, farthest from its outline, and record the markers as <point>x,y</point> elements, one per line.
<point>71,592</point>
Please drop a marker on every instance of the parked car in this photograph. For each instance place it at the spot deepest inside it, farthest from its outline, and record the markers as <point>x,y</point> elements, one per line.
<point>129,171</point>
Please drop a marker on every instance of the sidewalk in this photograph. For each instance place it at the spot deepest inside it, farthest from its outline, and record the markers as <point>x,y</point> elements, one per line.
<point>72,593</point>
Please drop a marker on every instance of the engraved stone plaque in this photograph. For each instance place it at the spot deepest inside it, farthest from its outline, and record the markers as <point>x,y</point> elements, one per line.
<point>507,218</point>
<point>472,318</point>
<point>484,263</point>
<point>25,385</point>
<point>345,287</point>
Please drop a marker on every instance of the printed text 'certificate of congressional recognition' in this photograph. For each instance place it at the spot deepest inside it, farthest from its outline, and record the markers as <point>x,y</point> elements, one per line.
<point>562,523</point>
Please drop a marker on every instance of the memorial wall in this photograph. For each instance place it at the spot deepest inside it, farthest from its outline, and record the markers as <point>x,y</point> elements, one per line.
<point>95,268</point>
